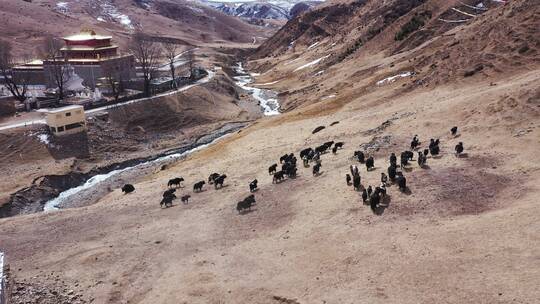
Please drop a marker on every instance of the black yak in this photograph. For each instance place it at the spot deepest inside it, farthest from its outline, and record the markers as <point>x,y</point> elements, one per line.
<point>359,155</point>
<point>356,182</point>
<point>272,169</point>
<point>459,148</point>
<point>316,169</point>
<point>212,177</point>
<point>278,176</point>
<point>128,188</point>
<point>253,186</point>
<point>219,181</point>
<point>175,182</point>
<point>348,179</point>
<point>339,145</point>
<point>185,198</point>
<point>197,187</point>
<point>402,182</point>
<point>453,130</point>
<point>370,163</point>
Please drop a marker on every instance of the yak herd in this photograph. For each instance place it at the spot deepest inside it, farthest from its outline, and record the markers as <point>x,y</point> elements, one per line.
<point>373,196</point>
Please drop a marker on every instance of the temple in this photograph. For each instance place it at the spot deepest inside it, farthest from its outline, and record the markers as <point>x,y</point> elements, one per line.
<point>91,57</point>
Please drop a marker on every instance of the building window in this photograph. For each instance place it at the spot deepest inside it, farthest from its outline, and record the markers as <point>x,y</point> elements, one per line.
<point>61,129</point>
<point>68,114</point>
<point>53,129</point>
<point>74,126</point>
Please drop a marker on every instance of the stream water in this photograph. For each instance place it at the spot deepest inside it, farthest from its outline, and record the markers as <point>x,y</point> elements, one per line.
<point>99,185</point>
<point>267,98</point>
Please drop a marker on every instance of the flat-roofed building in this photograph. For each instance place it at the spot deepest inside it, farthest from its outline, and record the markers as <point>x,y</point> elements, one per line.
<point>66,120</point>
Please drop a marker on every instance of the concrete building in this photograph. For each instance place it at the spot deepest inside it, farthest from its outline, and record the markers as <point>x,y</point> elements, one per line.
<point>92,57</point>
<point>31,72</point>
<point>66,120</point>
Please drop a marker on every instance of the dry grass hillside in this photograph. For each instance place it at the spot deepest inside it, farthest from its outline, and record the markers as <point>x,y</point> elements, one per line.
<point>465,231</point>
<point>25,23</point>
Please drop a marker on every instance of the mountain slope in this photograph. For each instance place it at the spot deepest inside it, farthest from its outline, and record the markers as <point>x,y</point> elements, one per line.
<point>25,23</point>
<point>335,38</point>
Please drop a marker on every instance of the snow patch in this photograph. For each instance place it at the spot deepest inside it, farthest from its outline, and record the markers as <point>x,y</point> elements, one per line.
<point>312,63</point>
<point>313,45</point>
<point>62,7</point>
<point>268,83</point>
<point>328,97</point>
<point>44,138</point>
<point>111,11</point>
<point>319,73</point>
<point>393,78</point>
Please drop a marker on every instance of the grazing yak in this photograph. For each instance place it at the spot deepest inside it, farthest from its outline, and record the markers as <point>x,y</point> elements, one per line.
<point>272,169</point>
<point>253,185</point>
<point>245,203</point>
<point>392,172</point>
<point>321,149</point>
<point>185,198</point>
<point>374,201</point>
<point>348,179</point>
<point>453,130</point>
<point>370,163</point>
<point>197,187</point>
<point>359,155</point>
<point>421,159</point>
<point>305,152</point>
<point>415,142</point>
<point>384,178</point>
<point>402,182</point>
<point>167,201</point>
<point>434,147</point>
<point>219,181</point>
<point>168,197</point>
<point>364,196</point>
<point>404,161</point>
<point>334,150</point>
<point>176,182</point>
<point>459,148</point>
<point>434,150</point>
<point>213,177</point>
<point>356,182</point>
<point>128,188</point>
<point>328,144</point>
<point>354,170</point>
<point>278,177</point>
<point>369,191</point>
<point>316,169</point>
<point>393,159</point>
<point>169,192</point>
<point>339,145</point>
<point>426,152</point>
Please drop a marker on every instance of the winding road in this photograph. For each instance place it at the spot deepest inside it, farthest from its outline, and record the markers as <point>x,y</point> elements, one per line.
<point>26,123</point>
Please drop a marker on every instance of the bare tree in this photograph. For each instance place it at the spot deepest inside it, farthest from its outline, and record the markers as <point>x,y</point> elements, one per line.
<point>57,64</point>
<point>114,77</point>
<point>16,84</point>
<point>171,49</point>
<point>146,53</point>
<point>190,56</point>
